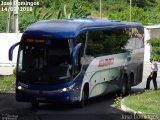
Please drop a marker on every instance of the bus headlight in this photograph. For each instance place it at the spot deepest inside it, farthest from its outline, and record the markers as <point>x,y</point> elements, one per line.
<point>20,88</point>
<point>67,88</point>
<point>64,89</point>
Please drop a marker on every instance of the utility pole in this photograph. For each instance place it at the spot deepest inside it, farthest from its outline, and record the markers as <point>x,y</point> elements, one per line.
<point>15,15</point>
<point>8,20</point>
<point>100,8</point>
<point>130,10</point>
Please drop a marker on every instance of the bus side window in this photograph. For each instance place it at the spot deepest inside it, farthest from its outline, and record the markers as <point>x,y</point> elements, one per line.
<point>136,40</point>
<point>104,42</point>
<point>81,38</point>
<point>95,44</point>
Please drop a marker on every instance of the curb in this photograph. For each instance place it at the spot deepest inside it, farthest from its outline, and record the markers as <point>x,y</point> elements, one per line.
<point>138,115</point>
<point>126,109</point>
<point>131,111</point>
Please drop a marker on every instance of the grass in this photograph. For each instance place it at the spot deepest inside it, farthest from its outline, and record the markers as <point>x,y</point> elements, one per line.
<point>147,102</point>
<point>117,102</point>
<point>7,84</point>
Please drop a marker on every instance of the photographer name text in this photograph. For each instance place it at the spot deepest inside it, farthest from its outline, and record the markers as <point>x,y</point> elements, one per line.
<point>22,6</point>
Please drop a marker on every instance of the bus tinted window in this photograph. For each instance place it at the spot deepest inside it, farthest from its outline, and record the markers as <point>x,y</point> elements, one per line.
<point>46,63</point>
<point>107,41</point>
<point>136,40</point>
<point>81,38</point>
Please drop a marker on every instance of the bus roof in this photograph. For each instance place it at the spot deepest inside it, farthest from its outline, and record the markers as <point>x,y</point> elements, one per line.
<point>70,28</point>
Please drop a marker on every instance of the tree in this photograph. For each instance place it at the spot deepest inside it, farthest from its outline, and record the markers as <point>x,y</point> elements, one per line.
<point>37,14</point>
<point>144,3</point>
<point>34,16</point>
<point>75,12</point>
<point>144,11</point>
<point>3,21</point>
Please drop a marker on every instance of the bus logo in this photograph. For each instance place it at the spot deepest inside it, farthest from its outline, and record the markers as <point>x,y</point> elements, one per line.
<point>106,62</point>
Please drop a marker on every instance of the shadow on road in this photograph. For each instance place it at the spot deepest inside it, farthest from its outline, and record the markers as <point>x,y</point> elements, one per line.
<point>98,108</point>
<point>108,99</point>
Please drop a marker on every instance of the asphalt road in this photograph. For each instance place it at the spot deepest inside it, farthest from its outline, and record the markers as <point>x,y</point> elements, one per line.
<point>96,109</point>
<point>99,108</point>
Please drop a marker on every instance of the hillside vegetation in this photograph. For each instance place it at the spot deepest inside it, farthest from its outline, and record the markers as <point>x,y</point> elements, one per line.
<point>144,11</point>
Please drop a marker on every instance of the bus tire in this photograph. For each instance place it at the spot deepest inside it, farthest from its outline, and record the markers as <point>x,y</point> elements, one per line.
<point>129,84</point>
<point>82,103</point>
<point>35,104</point>
<point>124,86</point>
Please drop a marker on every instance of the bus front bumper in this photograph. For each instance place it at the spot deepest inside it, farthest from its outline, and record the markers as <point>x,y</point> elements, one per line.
<point>43,96</point>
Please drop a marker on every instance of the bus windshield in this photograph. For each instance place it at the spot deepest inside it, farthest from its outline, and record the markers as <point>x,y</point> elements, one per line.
<point>44,61</point>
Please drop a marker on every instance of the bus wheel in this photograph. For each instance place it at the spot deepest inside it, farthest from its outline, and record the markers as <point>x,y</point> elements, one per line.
<point>124,86</point>
<point>83,98</point>
<point>82,103</point>
<point>128,87</point>
<point>35,104</point>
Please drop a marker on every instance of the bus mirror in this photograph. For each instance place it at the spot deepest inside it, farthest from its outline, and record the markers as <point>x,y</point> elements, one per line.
<point>74,52</point>
<point>10,53</point>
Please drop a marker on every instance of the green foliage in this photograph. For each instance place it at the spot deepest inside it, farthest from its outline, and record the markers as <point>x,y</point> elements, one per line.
<point>76,12</point>
<point>144,11</point>
<point>3,21</point>
<point>144,3</point>
<point>7,84</point>
<point>14,72</point>
<point>154,42</point>
<point>117,102</point>
<point>46,3</point>
<point>155,48</point>
<point>146,102</point>
<point>37,14</point>
<point>151,17</point>
<point>123,15</point>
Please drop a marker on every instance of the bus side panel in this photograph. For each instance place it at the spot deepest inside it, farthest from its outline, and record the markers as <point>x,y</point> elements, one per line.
<point>94,84</point>
<point>103,73</point>
<point>135,66</point>
<point>136,47</point>
<point>110,79</point>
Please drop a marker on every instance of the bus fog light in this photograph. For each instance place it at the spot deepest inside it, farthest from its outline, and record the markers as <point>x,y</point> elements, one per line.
<point>19,88</point>
<point>67,97</point>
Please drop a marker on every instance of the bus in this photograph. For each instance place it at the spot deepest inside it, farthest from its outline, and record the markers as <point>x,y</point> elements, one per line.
<point>72,60</point>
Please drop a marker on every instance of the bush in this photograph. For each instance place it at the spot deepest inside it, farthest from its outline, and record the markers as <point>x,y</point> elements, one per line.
<point>155,48</point>
<point>7,84</point>
<point>14,72</point>
<point>117,102</point>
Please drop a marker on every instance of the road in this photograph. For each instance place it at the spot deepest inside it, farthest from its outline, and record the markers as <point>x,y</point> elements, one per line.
<point>96,109</point>
<point>99,108</point>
